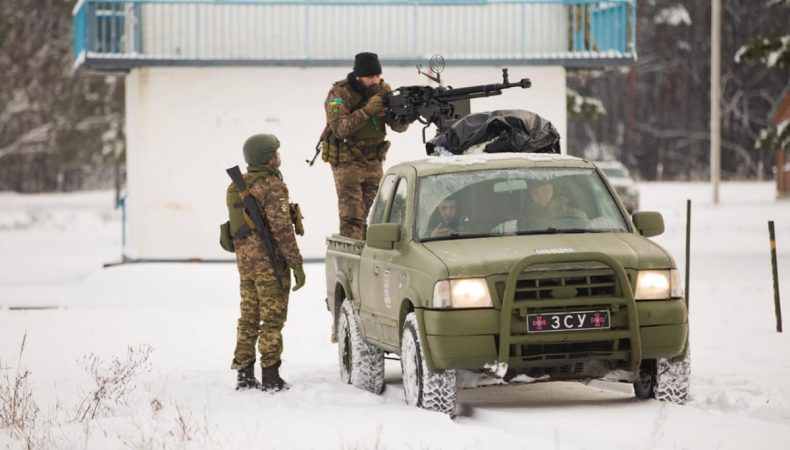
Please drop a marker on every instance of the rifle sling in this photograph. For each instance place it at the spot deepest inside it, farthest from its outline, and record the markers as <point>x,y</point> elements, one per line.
<point>243,232</point>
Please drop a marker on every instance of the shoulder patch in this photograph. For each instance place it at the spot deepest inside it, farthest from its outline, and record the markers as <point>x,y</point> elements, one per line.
<point>334,104</point>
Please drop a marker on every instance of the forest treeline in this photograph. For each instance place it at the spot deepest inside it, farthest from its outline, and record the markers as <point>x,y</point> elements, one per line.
<point>62,130</point>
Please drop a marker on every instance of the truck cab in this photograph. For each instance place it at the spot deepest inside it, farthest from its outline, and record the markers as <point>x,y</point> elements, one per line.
<point>508,264</point>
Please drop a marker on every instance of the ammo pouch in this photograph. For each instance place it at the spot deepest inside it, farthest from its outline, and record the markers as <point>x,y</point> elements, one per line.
<point>225,238</point>
<point>330,149</point>
<point>382,150</point>
<point>376,152</point>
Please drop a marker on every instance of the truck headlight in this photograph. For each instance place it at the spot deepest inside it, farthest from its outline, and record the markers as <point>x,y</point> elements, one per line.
<point>658,284</point>
<point>461,293</point>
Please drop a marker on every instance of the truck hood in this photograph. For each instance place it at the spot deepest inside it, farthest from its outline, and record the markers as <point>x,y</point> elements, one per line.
<point>481,257</point>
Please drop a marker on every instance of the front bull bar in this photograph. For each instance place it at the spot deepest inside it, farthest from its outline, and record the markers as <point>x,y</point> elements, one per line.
<point>625,299</point>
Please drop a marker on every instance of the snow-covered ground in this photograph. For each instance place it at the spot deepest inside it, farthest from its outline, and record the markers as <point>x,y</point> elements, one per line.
<point>51,252</point>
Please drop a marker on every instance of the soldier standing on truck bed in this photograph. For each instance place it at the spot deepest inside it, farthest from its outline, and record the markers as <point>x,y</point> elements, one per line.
<point>264,297</point>
<point>353,142</point>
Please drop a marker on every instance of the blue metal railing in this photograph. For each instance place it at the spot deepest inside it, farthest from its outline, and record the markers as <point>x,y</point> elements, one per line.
<point>118,34</point>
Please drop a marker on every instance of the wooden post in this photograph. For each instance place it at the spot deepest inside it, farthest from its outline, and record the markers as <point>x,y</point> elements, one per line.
<point>688,249</point>
<point>777,306</point>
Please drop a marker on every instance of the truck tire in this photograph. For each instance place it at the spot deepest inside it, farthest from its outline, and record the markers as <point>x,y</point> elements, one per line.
<point>664,380</point>
<point>361,364</point>
<point>434,391</point>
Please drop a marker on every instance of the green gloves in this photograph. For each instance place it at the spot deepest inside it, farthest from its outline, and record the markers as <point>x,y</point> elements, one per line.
<point>375,106</point>
<point>299,278</point>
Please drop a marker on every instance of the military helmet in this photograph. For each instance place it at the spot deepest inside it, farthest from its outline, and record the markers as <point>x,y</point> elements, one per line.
<point>259,149</point>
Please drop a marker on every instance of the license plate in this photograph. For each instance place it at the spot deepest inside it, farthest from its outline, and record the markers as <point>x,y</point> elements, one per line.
<point>568,321</point>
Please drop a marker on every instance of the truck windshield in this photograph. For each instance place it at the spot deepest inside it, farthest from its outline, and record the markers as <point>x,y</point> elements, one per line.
<point>516,201</point>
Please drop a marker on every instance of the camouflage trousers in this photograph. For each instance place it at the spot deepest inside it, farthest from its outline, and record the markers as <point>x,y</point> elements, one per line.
<point>356,183</point>
<point>264,309</point>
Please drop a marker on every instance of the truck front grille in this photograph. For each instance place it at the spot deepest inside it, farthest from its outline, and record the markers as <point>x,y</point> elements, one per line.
<point>563,350</point>
<point>535,286</point>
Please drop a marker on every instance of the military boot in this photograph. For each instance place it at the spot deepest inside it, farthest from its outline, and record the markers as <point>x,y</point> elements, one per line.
<point>245,379</point>
<point>270,379</point>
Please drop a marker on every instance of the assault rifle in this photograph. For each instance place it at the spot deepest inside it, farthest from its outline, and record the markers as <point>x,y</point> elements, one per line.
<point>441,106</point>
<point>259,224</point>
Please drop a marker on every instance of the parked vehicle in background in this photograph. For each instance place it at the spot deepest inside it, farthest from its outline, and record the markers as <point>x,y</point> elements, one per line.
<point>621,181</point>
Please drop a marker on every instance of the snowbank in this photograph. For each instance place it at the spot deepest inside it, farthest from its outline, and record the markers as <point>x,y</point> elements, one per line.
<point>187,314</point>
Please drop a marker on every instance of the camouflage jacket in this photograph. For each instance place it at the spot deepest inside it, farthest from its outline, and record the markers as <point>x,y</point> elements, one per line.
<point>267,186</point>
<point>361,135</point>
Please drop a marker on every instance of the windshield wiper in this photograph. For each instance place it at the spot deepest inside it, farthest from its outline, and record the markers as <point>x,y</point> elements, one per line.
<point>552,230</point>
<point>458,236</point>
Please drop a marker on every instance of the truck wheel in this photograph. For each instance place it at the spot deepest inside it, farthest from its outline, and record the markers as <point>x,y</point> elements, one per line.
<point>435,391</point>
<point>361,364</point>
<point>664,380</point>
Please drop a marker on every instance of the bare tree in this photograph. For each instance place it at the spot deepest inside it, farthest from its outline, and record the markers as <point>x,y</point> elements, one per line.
<point>658,109</point>
<point>52,119</point>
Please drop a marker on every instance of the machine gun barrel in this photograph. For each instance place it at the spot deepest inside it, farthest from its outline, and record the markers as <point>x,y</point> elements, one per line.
<point>484,90</point>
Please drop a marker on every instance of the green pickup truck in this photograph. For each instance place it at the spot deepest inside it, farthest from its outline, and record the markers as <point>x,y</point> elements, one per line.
<point>506,264</point>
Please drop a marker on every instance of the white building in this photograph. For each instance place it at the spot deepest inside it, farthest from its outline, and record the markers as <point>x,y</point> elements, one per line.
<point>203,75</point>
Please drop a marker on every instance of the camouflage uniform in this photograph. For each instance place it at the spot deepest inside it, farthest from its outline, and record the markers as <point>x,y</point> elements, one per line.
<point>264,304</point>
<point>357,161</point>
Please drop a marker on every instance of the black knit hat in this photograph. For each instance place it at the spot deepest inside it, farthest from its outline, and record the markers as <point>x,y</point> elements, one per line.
<point>366,64</point>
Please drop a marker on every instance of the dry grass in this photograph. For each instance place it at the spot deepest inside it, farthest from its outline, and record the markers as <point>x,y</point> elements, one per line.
<point>113,381</point>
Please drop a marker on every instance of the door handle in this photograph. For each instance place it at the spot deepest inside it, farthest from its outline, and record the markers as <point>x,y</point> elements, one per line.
<point>376,269</point>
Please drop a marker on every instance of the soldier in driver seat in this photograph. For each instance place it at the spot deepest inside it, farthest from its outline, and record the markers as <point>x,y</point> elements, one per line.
<point>544,206</point>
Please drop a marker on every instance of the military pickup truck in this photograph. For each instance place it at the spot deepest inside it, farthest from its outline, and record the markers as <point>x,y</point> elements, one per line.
<point>506,264</point>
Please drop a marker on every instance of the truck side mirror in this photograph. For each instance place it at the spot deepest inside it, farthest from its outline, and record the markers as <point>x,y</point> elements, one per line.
<point>648,223</point>
<point>383,235</point>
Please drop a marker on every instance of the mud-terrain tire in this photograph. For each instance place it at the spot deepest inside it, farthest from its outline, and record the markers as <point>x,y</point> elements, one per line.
<point>664,380</point>
<point>361,364</point>
<point>434,391</point>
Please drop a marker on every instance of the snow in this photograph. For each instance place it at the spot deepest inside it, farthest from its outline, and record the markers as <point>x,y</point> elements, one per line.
<point>482,158</point>
<point>774,56</point>
<point>580,103</point>
<point>673,15</point>
<point>51,252</point>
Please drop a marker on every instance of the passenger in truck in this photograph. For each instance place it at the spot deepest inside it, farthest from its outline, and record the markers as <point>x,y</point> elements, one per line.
<point>543,206</point>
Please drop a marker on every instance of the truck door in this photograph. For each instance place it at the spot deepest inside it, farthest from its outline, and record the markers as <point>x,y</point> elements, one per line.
<point>370,274</point>
<point>393,275</point>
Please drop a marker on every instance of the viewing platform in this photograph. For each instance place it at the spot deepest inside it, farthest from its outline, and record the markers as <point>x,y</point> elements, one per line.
<point>117,35</point>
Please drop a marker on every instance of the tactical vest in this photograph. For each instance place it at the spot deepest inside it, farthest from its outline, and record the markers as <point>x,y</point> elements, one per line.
<point>374,131</point>
<point>240,223</point>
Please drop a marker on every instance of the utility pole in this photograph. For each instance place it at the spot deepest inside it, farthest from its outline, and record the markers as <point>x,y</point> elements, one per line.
<point>715,96</point>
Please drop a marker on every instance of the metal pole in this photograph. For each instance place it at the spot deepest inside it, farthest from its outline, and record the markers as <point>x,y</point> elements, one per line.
<point>715,94</point>
<point>688,248</point>
<point>777,306</point>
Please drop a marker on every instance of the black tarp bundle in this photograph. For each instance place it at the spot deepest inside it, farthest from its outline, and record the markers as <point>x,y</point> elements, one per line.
<point>506,130</point>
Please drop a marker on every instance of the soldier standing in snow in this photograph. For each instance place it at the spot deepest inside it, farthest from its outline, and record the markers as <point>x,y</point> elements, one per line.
<point>355,113</point>
<point>264,301</point>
